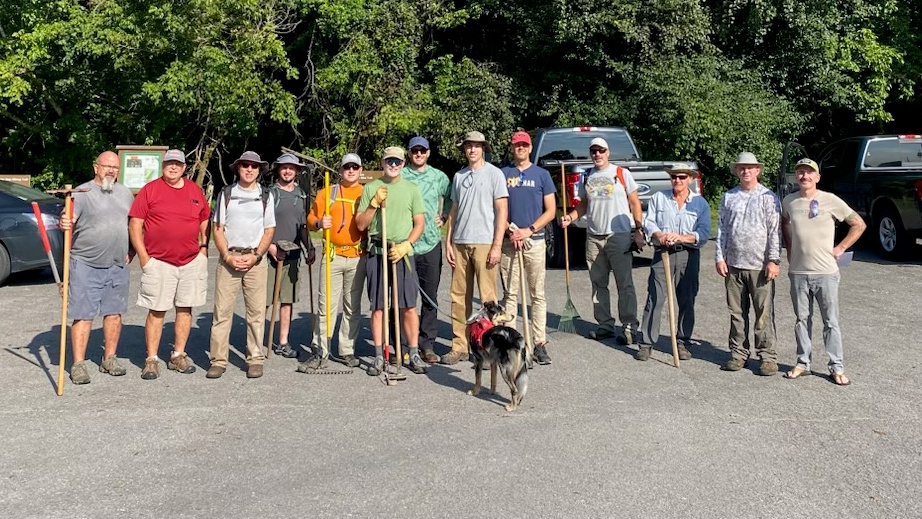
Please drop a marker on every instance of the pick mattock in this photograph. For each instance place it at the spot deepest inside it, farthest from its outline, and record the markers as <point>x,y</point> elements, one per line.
<point>44,233</point>
<point>286,247</point>
<point>670,295</point>
<point>569,313</point>
<point>69,211</point>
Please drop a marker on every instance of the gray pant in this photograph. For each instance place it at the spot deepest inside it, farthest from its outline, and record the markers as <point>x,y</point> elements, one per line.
<point>747,288</point>
<point>685,265</point>
<point>824,289</point>
<point>607,255</point>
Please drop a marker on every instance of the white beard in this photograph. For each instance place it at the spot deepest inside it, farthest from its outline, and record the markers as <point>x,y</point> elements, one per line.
<point>107,182</point>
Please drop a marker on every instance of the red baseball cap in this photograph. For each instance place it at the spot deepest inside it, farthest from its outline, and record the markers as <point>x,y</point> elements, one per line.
<point>518,137</point>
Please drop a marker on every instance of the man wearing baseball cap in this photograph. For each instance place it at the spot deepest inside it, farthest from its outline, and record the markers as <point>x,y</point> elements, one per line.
<point>435,189</point>
<point>531,207</point>
<point>808,223</point>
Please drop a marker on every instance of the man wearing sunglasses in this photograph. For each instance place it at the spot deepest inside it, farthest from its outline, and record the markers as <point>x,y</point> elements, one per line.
<point>347,265</point>
<point>748,255</point>
<point>679,223</point>
<point>434,187</point>
<point>476,224</point>
<point>531,207</point>
<point>808,223</point>
<point>243,226</point>
<point>609,199</point>
<point>399,201</point>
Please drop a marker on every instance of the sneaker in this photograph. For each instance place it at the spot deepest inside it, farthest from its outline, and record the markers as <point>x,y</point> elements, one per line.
<point>215,371</point>
<point>600,334</point>
<point>451,358</point>
<point>285,350</point>
<point>181,364</point>
<point>626,338</point>
<point>541,356</point>
<point>254,371</point>
<point>643,353</point>
<point>151,369</point>
<point>313,364</point>
<point>375,369</point>
<point>767,368</point>
<point>429,356</point>
<point>112,367</point>
<point>79,374</point>
<point>684,354</point>
<point>417,365</point>
<point>734,364</point>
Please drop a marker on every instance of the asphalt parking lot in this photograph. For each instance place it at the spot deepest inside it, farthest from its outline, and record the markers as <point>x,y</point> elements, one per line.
<point>598,435</point>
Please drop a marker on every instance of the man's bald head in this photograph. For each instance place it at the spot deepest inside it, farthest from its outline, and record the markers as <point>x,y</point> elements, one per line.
<point>106,168</point>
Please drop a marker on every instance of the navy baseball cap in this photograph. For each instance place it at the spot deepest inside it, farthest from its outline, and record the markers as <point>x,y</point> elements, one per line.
<point>418,141</point>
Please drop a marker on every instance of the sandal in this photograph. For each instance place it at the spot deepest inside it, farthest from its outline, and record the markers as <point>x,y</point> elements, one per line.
<point>797,372</point>
<point>839,379</point>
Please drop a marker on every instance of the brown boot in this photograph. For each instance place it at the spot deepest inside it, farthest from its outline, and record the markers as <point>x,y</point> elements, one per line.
<point>255,371</point>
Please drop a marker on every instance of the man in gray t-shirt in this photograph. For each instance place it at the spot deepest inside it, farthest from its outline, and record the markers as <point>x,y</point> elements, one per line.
<point>244,223</point>
<point>476,224</point>
<point>99,264</point>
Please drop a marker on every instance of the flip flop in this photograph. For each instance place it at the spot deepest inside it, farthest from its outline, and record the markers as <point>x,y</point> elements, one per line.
<point>840,379</point>
<point>797,372</point>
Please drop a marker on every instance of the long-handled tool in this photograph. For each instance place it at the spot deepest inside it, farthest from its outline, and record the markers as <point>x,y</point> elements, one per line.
<point>327,251</point>
<point>44,233</point>
<point>670,295</point>
<point>69,211</point>
<point>389,378</point>
<point>526,322</point>
<point>399,374</point>
<point>569,313</point>
<point>276,291</point>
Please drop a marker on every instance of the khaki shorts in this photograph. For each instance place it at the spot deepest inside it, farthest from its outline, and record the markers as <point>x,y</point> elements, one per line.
<point>290,272</point>
<point>164,286</point>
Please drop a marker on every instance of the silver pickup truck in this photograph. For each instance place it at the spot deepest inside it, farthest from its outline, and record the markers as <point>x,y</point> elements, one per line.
<point>565,153</point>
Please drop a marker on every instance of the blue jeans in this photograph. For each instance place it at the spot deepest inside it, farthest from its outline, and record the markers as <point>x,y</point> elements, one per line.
<point>824,289</point>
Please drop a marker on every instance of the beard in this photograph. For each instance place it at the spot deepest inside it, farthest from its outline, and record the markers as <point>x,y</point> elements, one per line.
<point>107,183</point>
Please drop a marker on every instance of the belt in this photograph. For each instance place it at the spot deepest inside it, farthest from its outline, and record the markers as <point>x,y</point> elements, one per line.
<point>349,251</point>
<point>242,250</point>
<point>674,248</point>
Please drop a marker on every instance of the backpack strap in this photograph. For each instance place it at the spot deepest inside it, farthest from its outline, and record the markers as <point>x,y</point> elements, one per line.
<point>263,196</point>
<point>620,172</point>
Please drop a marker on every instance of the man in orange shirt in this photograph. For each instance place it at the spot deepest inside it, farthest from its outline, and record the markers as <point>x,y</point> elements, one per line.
<point>347,265</point>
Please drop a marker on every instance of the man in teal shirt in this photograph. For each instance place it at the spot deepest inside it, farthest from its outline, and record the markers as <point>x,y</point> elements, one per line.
<point>435,189</point>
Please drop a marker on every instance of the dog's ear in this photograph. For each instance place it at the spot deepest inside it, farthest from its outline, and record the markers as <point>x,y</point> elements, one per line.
<point>492,307</point>
<point>474,317</point>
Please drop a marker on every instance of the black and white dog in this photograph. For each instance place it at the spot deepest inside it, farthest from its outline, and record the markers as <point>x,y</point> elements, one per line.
<point>503,347</point>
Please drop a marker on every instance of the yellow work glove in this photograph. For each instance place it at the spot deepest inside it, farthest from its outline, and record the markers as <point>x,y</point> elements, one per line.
<point>399,250</point>
<point>380,197</point>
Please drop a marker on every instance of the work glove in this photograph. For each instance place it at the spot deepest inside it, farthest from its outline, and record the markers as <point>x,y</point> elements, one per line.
<point>398,251</point>
<point>380,197</point>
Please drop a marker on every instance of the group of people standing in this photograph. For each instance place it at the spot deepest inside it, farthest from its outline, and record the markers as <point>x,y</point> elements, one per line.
<point>492,216</point>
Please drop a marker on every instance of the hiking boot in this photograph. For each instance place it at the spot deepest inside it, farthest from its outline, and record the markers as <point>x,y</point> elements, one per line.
<point>429,356</point>
<point>643,353</point>
<point>285,350</point>
<point>151,369</point>
<point>541,356</point>
<point>600,334</point>
<point>254,371</point>
<point>313,364</point>
<point>451,358</point>
<point>417,365</point>
<point>181,364</point>
<point>375,369</point>
<point>112,367</point>
<point>767,368</point>
<point>684,354</point>
<point>734,364</point>
<point>215,371</point>
<point>79,374</point>
<point>348,360</point>
<point>626,338</point>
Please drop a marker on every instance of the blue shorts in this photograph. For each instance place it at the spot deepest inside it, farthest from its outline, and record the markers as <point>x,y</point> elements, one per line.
<point>407,282</point>
<point>93,291</point>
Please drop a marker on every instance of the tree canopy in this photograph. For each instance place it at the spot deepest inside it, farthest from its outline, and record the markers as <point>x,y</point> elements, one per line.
<point>691,79</point>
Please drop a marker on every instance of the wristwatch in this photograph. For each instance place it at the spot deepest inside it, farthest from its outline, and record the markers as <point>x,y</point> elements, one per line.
<point>532,229</point>
<point>203,245</point>
<point>775,261</point>
<point>259,258</point>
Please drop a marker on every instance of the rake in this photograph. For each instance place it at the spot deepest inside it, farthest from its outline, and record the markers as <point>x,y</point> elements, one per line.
<point>567,322</point>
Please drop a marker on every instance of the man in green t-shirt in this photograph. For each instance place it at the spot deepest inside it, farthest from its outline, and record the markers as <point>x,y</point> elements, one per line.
<point>406,218</point>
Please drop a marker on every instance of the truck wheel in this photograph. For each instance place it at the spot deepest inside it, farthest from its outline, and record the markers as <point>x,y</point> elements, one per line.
<point>553,240</point>
<point>4,264</point>
<point>891,237</point>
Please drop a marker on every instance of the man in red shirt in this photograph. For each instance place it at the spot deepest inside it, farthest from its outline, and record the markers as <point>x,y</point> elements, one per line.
<point>168,225</point>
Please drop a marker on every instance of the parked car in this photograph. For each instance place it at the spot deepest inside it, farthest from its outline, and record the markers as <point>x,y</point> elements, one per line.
<point>21,246</point>
<point>565,153</point>
<point>879,176</point>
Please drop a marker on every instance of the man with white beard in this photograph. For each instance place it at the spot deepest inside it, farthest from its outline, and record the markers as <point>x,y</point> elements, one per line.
<point>99,261</point>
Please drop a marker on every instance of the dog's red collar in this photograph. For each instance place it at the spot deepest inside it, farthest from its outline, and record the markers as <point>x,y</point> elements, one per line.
<point>477,329</point>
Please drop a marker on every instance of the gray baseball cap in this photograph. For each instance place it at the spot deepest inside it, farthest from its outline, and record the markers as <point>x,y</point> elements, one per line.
<point>350,158</point>
<point>174,156</point>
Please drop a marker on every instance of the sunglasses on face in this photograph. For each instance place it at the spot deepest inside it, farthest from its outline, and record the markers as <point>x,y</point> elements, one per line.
<point>350,167</point>
<point>679,177</point>
<point>393,161</point>
<point>419,151</point>
<point>814,208</point>
<point>249,165</point>
<point>597,151</point>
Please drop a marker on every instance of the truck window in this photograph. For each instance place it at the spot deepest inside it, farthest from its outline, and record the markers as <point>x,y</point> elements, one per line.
<point>893,153</point>
<point>574,145</point>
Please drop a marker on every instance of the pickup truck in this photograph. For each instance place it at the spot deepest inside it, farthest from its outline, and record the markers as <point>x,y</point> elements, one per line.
<point>879,176</point>
<point>565,153</point>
